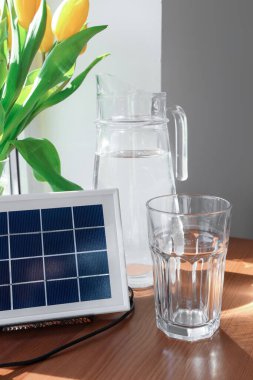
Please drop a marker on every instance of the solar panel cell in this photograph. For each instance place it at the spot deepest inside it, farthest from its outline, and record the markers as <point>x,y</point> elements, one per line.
<point>62,291</point>
<point>4,273</point>
<point>4,252</point>
<point>58,242</point>
<point>28,295</point>
<point>3,223</point>
<point>24,221</point>
<point>92,239</point>
<point>26,245</point>
<point>95,288</point>
<point>60,267</point>
<point>57,219</point>
<point>94,263</point>
<point>27,270</point>
<point>88,216</point>
<point>5,298</point>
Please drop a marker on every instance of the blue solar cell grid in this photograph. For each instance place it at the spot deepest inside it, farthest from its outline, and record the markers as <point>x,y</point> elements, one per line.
<point>53,256</point>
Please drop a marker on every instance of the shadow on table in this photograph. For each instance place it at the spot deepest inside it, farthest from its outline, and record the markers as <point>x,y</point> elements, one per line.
<point>216,358</point>
<point>238,291</point>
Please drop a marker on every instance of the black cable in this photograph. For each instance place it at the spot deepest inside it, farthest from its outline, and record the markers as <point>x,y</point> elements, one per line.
<point>76,341</point>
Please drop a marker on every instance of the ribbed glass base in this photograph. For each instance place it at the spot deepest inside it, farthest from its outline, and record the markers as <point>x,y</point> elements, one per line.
<point>190,334</point>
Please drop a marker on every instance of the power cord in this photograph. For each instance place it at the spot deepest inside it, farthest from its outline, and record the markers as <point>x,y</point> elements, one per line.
<point>76,341</point>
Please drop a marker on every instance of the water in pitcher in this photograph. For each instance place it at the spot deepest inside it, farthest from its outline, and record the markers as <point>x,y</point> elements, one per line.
<point>139,175</point>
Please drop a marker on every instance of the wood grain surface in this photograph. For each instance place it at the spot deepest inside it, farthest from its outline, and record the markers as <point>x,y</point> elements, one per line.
<point>136,350</point>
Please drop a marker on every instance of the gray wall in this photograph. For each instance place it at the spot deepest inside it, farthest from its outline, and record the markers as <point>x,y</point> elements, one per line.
<point>207,67</point>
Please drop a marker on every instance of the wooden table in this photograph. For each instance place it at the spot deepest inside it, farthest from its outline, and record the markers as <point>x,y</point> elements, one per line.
<point>136,350</point>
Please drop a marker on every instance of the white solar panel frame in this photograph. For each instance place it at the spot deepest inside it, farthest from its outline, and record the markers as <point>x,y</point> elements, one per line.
<point>119,301</point>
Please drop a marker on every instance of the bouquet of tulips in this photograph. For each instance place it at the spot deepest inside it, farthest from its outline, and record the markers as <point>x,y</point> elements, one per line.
<point>27,28</point>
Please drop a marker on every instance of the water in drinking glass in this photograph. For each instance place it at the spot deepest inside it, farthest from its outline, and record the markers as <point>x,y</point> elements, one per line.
<point>195,281</point>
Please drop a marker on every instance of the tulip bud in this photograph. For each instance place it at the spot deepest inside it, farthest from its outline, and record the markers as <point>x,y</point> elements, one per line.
<point>26,10</point>
<point>69,18</point>
<point>48,39</point>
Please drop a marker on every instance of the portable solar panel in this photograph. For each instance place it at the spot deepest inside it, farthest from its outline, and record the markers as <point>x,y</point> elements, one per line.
<point>61,255</point>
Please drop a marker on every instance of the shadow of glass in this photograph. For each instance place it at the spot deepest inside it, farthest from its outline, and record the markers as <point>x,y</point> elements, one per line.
<point>238,291</point>
<point>217,358</point>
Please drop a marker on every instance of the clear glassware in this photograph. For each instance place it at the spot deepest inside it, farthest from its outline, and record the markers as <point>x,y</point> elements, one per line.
<point>188,237</point>
<point>133,154</point>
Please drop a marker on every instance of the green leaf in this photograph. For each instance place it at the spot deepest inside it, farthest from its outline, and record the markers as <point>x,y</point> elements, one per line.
<point>3,30</point>
<point>3,70</point>
<point>2,118</point>
<point>18,71</point>
<point>33,39</point>
<point>21,99</point>
<point>69,74</point>
<point>22,36</point>
<point>18,106</point>
<point>50,99</point>
<point>32,75</point>
<point>61,59</point>
<point>9,92</point>
<point>58,97</point>
<point>3,51</point>
<point>30,79</point>
<point>42,156</point>
<point>58,62</point>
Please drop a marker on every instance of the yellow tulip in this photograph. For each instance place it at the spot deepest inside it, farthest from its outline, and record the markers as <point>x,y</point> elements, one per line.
<point>69,18</point>
<point>26,10</point>
<point>48,38</point>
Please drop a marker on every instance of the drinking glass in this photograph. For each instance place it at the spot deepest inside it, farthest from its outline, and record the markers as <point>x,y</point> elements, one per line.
<point>188,238</point>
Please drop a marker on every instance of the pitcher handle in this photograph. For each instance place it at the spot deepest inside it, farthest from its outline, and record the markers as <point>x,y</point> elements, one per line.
<point>181,142</point>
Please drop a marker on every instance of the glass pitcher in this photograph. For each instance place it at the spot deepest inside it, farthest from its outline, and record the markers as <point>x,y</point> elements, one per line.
<point>133,154</point>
